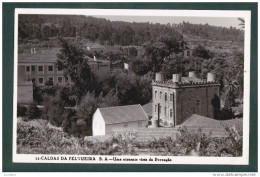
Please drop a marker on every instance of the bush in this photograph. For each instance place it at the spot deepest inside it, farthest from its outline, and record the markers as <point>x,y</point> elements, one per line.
<point>21,110</point>
<point>54,110</point>
<point>33,112</point>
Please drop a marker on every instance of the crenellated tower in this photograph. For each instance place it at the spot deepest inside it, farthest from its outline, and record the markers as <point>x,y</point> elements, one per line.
<point>177,99</point>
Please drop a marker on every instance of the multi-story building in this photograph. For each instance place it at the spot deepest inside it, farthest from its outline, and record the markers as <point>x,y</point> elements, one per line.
<point>40,67</point>
<point>176,100</point>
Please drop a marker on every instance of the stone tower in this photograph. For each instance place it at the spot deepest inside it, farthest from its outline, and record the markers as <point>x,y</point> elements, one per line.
<point>176,100</point>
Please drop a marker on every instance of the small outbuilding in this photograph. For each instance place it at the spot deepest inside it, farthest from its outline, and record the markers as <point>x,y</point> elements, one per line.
<point>106,120</point>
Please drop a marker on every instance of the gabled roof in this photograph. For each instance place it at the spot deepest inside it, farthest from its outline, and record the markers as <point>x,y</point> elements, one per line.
<point>46,56</point>
<point>148,109</point>
<point>202,121</point>
<point>121,114</point>
<point>210,126</point>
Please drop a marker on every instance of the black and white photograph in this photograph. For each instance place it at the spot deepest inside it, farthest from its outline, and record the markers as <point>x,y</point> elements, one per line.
<point>131,86</point>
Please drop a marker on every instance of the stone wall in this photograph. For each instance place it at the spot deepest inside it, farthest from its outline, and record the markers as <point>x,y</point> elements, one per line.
<point>25,93</point>
<point>187,100</point>
<point>160,101</point>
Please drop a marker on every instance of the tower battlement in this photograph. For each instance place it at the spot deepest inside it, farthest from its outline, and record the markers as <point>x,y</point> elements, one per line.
<point>172,84</point>
<point>177,99</point>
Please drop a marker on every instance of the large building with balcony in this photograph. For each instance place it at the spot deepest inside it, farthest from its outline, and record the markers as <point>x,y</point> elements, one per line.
<point>176,100</point>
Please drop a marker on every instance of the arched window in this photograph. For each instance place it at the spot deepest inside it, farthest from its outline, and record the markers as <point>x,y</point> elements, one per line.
<point>165,111</point>
<point>155,94</point>
<point>165,96</point>
<point>160,95</point>
<point>155,108</point>
<point>171,112</point>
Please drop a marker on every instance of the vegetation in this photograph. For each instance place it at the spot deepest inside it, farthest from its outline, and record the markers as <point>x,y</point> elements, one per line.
<point>21,110</point>
<point>33,112</point>
<point>147,48</point>
<point>45,140</point>
<point>73,61</point>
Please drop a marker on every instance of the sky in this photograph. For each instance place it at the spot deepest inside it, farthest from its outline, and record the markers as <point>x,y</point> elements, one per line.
<point>215,21</point>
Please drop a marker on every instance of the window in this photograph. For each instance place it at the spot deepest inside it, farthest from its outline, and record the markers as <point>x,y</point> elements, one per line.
<point>66,79</point>
<point>171,113</point>
<point>165,111</point>
<point>33,68</point>
<point>59,80</point>
<point>155,108</point>
<point>40,81</point>
<point>27,69</point>
<point>59,70</point>
<point>171,97</point>
<point>160,95</point>
<point>50,79</point>
<point>125,124</point>
<point>40,69</point>
<point>50,68</point>
<point>160,109</point>
<point>155,94</point>
<point>165,96</point>
<point>198,102</point>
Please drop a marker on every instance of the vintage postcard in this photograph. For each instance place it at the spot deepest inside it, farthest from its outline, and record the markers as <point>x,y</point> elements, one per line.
<point>127,86</point>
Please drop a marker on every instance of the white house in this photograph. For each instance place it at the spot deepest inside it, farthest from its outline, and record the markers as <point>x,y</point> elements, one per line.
<point>105,120</point>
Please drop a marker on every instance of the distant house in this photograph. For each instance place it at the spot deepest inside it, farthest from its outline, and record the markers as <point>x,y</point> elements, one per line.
<point>105,120</point>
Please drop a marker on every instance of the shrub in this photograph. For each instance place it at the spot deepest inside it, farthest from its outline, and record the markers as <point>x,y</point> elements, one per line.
<point>54,110</point>
<point>21,110</point>
<point>33,111</point>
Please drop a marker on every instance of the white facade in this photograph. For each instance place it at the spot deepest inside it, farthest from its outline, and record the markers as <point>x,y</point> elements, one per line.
<point>98,124</point>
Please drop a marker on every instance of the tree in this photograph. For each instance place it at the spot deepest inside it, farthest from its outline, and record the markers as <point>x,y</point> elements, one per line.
<point>74,62</point>
<point>90,102</point>
<point>202,52</point>
<point>231,86</point>
<point>242,23</point>
<point>33,111</point>
<point>140,67</point>
<point>54,110</point>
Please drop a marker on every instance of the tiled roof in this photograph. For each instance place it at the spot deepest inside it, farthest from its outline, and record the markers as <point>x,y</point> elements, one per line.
<point>37,57</point>
<point>120,114</point>
<point>43,56</point>
<point>202,121</point>
<point>209,126</point>
<point>148,109</point>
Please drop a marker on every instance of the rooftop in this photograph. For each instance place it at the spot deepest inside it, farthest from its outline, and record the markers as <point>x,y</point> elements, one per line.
<point>214,128</point>
<point>45,56</point>
<point>121,114</point>
<point>186,82</point>
<point>148,109</point>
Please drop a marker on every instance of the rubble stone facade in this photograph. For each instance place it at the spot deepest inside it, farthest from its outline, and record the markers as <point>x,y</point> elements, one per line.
<point>174,101</point>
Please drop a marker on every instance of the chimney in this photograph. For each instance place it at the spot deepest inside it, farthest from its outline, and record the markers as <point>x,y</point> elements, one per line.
<point>210,77</point>
<point>192,74</point>
<point>176,78</point>
<point>158,77</point>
